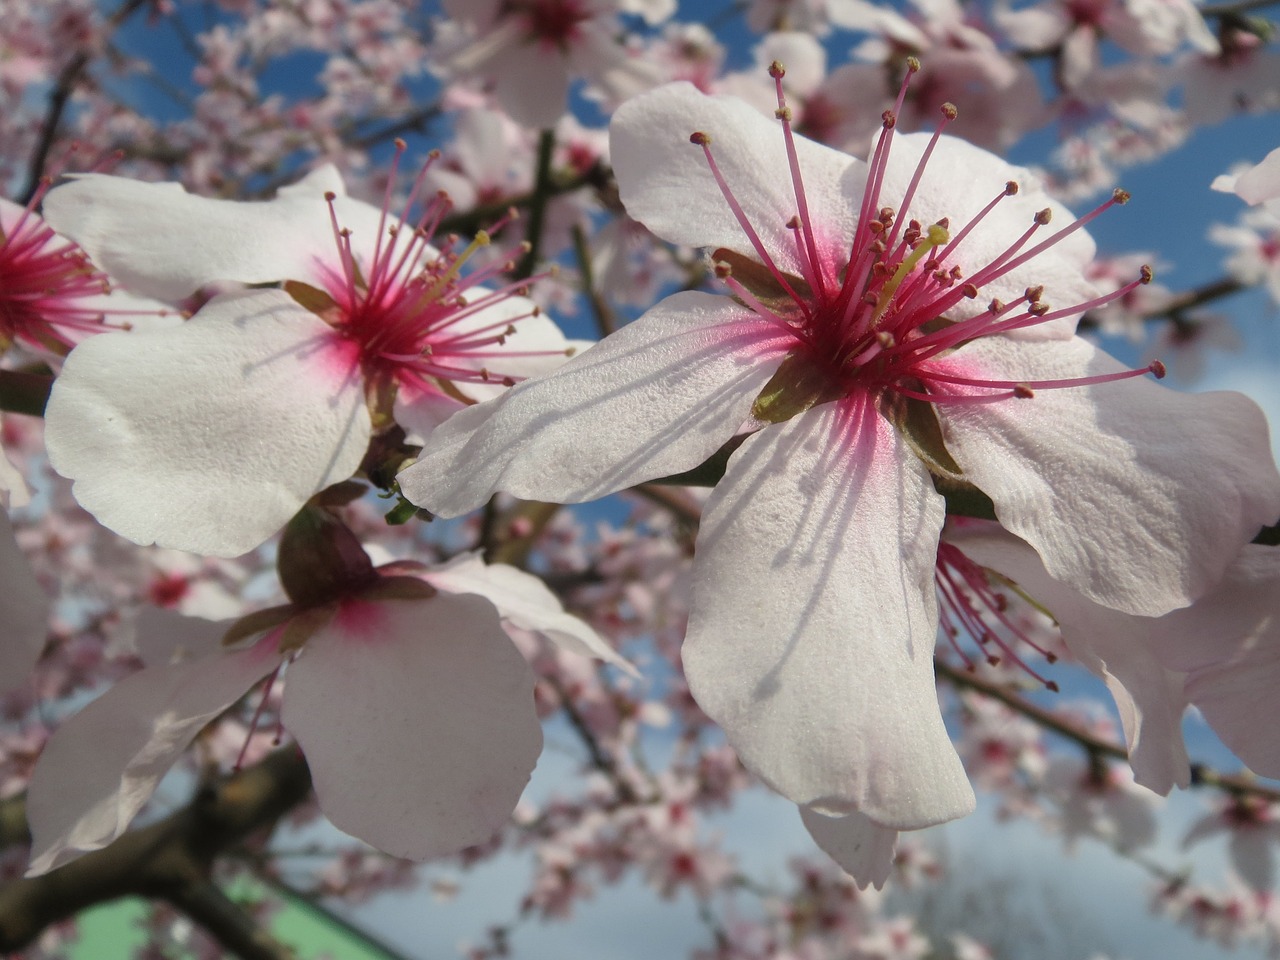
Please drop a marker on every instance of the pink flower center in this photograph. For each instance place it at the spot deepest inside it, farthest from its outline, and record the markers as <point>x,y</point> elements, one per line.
<point>414,318</point>
<point>44,282</point>
<point>551,23</point>
<point>874,318</point>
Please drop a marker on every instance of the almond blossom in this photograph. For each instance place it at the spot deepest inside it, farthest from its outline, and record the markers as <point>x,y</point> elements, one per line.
<point>530,50</point>
<point>51,295</point>
<point>854,345</point>
<point>413,706</point>
<point>284,388</point>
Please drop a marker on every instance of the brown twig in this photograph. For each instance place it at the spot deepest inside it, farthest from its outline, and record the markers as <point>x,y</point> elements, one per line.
<point>1100,746</point>
<point>68,79</point>
<point>169,860</point>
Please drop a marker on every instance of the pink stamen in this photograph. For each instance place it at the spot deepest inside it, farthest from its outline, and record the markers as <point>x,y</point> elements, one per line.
<point>704,141</point>
<point>257,714</point>
<point>806,224</point>
<point>949,113</point>
<point>965,590</point>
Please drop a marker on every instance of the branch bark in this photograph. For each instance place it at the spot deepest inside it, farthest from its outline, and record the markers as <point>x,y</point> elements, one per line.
<point>169,860</point>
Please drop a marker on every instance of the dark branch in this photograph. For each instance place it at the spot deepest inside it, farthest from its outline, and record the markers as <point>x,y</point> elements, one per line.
<point>68,79</point>
<point>169,860</point>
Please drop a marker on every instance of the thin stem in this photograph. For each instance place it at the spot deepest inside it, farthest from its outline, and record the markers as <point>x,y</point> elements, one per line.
<point>538,205</point>
<point>1201,775</point>
<point>68,79</point>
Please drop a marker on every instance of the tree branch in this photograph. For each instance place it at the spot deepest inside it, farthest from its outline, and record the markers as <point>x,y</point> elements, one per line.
<point>169,860</point>
<point>227,922</point>
<point>1201,775</point>
<point>63,88</point>
<point>538,205</point>
<point>22,392</point>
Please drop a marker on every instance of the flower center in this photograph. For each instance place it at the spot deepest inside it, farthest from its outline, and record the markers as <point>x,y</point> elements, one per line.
<point>44,284</point>
<point>552,23</point>
<point>872,318</point>
<point>413,316</point>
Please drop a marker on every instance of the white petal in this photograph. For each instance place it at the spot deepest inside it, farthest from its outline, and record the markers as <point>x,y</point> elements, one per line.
<point>418,722</point>
<point>208,437</point>
<point>24,611</point>
<point>525,601</point>
<point>1233,622</point>
<point>103,764</point>
<point>14,491</point>
<point>162,636</point>
<point>419,409</point>
<point>656,398</point>
<point>665,182</point>
<point>1253,859</point>
<point>814,615</point>
<point>160,241</point>
<point>862,847</point>
<point>1121,649</point>
<point>531,86</point>
<point>1136,495</point>
<point>1231,640</point>
<point>1261,183</point>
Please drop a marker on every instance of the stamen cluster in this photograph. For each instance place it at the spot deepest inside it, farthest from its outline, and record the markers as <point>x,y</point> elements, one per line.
<point>45,286</point>
<point>408,308</point>
<point>972,603</point>
<point>875,317</point>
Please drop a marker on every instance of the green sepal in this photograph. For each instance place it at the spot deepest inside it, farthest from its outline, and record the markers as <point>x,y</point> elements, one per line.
<point>797,385</point>
<point>404,511</point>
<point>309,297</point>
<point>260,621</point>
<point>762,283</point>
<point>917,423</point>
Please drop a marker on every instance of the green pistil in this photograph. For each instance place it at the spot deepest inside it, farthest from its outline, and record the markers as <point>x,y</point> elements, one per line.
<point>935,237</point>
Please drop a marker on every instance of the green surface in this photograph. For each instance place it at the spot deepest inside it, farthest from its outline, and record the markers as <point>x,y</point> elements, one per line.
<point>114,931</point>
